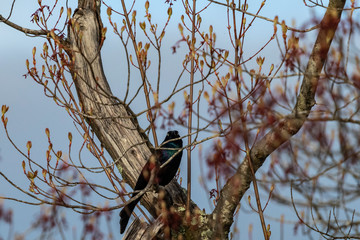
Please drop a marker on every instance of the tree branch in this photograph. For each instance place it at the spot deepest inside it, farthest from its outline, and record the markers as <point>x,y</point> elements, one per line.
<point>22,29</point>
<point>237,185</point>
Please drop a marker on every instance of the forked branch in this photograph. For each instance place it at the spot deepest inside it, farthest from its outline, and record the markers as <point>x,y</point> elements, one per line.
<point>239,183</point>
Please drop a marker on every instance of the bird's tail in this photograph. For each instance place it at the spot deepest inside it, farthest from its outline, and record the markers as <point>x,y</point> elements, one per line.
<point>126,213</point>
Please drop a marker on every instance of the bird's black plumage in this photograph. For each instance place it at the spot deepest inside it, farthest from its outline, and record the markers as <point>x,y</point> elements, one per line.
<point>163,176</point>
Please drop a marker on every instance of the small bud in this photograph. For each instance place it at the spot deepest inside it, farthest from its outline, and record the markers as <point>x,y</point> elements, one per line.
<point>271,68</point>
<point>206,96</point>
<point>260,61</point>
<point>284,28</point>
<point>162,35</point>
<point>181,29</point>
<point>249,107</point>
<point>47,132</point>
<point>133,15</point>
<point>139,46</point>
<point>32,175</point>
<point>103,32</point>
<point>48,156</point>
<point>23,166</point>
<point>29,145</point>
<point>4,109</point>
<point>52,34</point>
<point>147,46</point>
<point>171,107</point>
<point>69,13</point>
<point>122,29</point>
<point>186,96</point>
<point>201,65</point>
<point>198,21</point>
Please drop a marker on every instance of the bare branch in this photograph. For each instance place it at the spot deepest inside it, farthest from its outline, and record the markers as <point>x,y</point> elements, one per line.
<point>22,29</point>
<point>238,184</point>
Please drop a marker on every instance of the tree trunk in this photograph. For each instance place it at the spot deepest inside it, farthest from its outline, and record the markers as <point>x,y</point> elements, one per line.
<point>112,122</point>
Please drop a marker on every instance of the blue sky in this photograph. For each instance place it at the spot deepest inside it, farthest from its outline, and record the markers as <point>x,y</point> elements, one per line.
<point>31,112</point>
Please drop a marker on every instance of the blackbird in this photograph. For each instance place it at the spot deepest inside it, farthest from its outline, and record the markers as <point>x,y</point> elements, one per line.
<point>168,148</point>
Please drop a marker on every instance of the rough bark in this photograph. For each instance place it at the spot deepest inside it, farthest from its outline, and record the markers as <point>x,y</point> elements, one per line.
<point>112,122</point>
<point>239,183</point>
